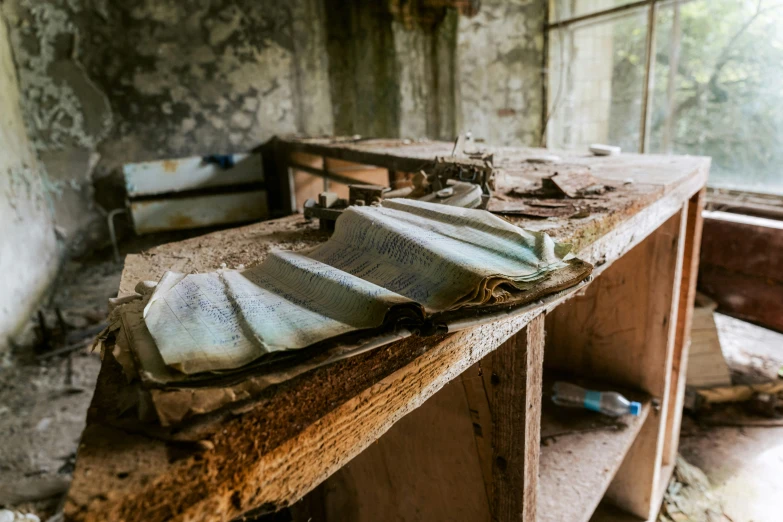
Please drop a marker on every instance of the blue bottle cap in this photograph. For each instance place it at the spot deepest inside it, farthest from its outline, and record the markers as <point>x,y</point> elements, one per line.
<point>635,409</point>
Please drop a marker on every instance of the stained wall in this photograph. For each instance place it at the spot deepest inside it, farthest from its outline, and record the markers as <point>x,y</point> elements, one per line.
<point>28,249</point>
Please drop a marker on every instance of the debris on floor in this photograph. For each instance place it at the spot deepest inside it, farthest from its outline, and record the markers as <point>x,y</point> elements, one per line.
<point>739,444</point>
<point>690,497</point>
<point>46,384</point>
<point>732,362</point>
<point>6,515</point>
<point>574,183</point>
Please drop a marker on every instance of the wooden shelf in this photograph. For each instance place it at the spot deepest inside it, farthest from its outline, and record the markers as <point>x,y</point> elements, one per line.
<point>580,454</point>
<point>608,513</point>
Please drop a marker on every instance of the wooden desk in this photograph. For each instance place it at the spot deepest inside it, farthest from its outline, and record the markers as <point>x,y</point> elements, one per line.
<point>481,447</point>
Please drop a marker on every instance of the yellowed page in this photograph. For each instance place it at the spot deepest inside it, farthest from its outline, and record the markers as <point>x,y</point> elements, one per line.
<point>437,255</point>
<point>224,320</point>
<point>405,253</point>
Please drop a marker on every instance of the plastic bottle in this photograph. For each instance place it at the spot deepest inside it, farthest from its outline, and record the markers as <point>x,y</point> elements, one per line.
<point>608,403</point>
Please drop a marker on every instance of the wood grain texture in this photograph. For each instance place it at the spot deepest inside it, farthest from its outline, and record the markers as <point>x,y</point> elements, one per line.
<point>739,269</point>
<point>424,469</point>
<point>682,340</point>
<point>476,383</point>
<point>580,454</point>
<point>517,370</point>
<point>637,486</point>
<point>285,443</point>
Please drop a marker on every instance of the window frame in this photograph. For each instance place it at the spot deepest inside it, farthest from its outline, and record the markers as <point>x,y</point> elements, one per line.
<point>738,200</point>
<point>649,65</point>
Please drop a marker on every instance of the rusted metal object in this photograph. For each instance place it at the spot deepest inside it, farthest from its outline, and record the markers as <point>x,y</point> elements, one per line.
<point>195,192</point>
<point>198,211</point>
<point>180,175</point>
<point>476,170</point>
<point>459,181</point>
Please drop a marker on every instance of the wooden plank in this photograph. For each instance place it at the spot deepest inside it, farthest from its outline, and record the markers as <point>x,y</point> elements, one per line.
<point>635,488</point>
<point>155,215</point>
<point>360,174</point>
<point>402,155</point>
<point>706,366</point>
<point>272,472</point>
<point>279,179</point>
<point>517,367</point>
<point>737,270</point>
<point>581,452</point>
<point>687,297</point>
<point>425,468</point>
<point>308,183</point>
<point>432,457</point>
<point>178,175</point>
<point>476,383</point>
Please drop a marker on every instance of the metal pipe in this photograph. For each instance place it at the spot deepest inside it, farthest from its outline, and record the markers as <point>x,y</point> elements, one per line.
<point>113,233</point>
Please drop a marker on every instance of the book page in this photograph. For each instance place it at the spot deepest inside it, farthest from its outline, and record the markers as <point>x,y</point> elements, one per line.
<point>226,319</point>
<point>437,255</point>
<point>406,256</point>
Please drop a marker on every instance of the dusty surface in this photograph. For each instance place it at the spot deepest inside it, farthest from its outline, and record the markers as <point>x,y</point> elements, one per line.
<point>743,464</point>
<point>257,457</point>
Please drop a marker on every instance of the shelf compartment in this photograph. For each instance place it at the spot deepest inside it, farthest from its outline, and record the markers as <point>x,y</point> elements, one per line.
<point>581,452</point>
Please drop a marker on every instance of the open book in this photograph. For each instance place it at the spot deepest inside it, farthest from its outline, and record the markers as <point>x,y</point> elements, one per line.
<point>397,264</point>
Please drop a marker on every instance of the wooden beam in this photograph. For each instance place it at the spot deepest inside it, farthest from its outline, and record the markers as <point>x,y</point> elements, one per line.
<point>278,179</point>
<point>389,154</point>
<point>739,270</point>
<point>517,369</point>
<point>682,342</point>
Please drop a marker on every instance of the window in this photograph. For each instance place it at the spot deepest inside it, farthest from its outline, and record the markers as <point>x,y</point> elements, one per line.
<point>712,85</point>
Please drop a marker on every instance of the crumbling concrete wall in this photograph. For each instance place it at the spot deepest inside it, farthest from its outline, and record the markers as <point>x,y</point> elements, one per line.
<point>426,72</point>
<point>105,83</point>
<point>501,60</point>
<point>28,250</point>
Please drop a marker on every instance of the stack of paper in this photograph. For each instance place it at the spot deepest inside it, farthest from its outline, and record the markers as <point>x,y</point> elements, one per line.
<point>399,262</point>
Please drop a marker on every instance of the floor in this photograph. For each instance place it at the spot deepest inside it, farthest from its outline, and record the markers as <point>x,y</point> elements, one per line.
<point>743,464</point>
<point>43,401</point>
<point>43,397</point>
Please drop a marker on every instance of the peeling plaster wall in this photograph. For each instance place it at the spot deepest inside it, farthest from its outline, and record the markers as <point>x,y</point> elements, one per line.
<point>443,76</point>
<point>28,250</point>
<point>105,83</point>
<point>500,60</point>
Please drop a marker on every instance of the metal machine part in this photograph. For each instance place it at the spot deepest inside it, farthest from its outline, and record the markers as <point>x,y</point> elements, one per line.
<point>458,181</point>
